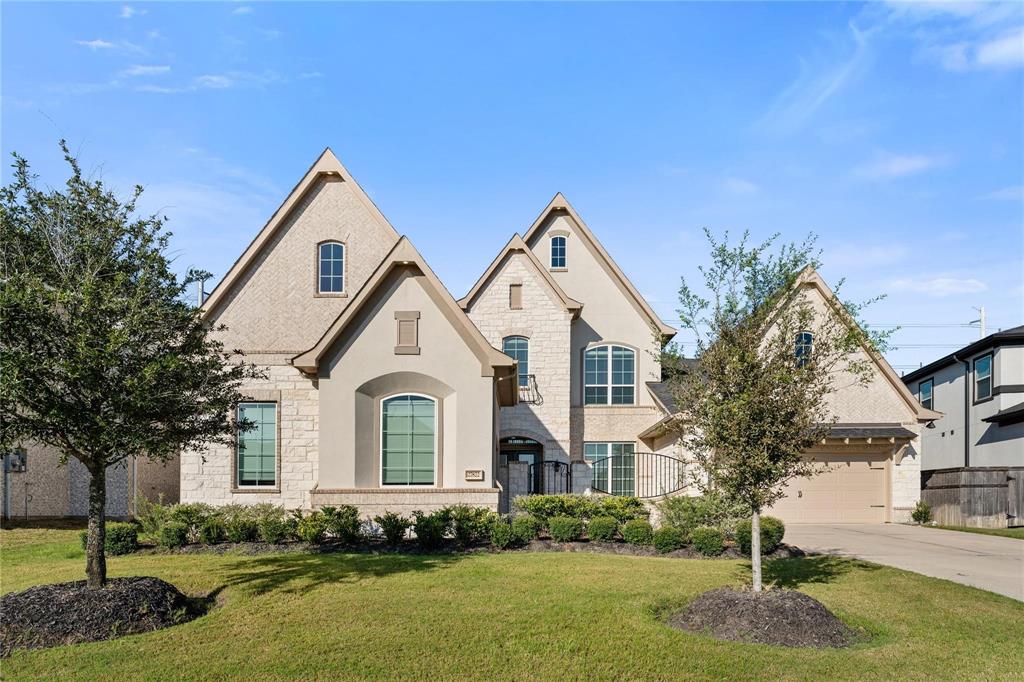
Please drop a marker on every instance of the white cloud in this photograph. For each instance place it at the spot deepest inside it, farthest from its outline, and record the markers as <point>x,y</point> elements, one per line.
<point>127,12</point>
<point>97,44</point>
<point>740,186</point>
<point>1012,193</point>
<point>310,74</point>
<point>1004,52</point>
<point>244,9</point>
<point>214,81</point>
<point>147,70</point>
<point>891,166</point>
<point>220,81</point>
<point>940,286</point>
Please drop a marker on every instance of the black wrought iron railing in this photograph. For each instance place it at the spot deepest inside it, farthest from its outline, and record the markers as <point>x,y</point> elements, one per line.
<point>528,392</point>
<point>638,474</point>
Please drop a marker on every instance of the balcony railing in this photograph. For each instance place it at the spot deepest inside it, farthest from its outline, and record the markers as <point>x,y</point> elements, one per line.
<point>528,393</point>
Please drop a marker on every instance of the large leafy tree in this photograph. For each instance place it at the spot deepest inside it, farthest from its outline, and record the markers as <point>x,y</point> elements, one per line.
<point>768,359</point>
<point>101,355</point>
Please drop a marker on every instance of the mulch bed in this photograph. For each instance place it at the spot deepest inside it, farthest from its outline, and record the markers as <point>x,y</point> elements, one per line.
<point>69,613</point>
<point>731,552</point>
<point>780,617</point>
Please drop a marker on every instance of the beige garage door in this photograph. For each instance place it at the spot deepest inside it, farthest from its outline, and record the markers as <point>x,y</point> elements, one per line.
<point>851,491</point>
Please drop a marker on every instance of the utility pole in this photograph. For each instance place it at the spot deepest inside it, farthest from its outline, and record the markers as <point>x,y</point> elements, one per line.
<point>980,320</point>
<point>201,293</point>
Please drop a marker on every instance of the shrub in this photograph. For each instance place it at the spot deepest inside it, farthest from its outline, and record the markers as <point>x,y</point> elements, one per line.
<point>525,527</point>
<point>393,526</point>
<point>212,531</point>
<point>343,523</point>
<point>311,528</point>
<point>241,529</point>
<point>922,512</point>
<point>708,541</point>
<point>501,534</point>
<point>669,538</point>
<point>565,528</point>
<point>430,529</point>
<point>638,532</point>
<point>192,515</point>
<point>709,510</point>
<point>274,529</point>
<point>622,509</point>
<point>470,525</point>
<point>151,515</point>
<point>772,532</point>
<point>173,534</point>
<point>603,528</point>
<point>582,507</point>
<point>122,538</point>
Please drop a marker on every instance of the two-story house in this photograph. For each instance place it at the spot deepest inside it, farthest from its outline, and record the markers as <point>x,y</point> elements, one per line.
<point>972,460</point>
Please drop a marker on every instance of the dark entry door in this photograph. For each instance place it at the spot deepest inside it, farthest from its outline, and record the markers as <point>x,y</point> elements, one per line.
<point>524,450</point>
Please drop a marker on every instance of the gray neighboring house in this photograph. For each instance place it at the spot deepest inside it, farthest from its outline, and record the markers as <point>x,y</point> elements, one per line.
<point>972,459</point>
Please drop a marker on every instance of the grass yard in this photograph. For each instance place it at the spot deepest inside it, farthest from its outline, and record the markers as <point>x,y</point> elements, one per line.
<point>508,616</point>
<point>1017,533</point>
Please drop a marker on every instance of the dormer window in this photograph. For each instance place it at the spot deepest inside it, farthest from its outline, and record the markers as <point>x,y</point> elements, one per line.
<point>331,268</point>
<point>558,252</point>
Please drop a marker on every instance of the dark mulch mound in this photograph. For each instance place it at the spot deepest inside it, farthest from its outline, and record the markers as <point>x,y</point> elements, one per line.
<point>68,613</point>
<point>781,617</point>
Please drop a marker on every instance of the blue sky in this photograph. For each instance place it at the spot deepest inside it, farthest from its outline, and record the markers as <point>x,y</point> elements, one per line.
<point>895,132</point>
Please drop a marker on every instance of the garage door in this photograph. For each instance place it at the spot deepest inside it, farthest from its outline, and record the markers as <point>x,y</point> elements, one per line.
<point>851,491</point>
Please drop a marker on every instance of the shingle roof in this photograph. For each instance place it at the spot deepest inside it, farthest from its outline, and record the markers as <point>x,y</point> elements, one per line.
<point>882,431</point>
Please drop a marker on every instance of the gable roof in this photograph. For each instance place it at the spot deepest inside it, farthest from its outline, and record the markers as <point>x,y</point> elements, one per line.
<point>517,245</point>
<point>404,255</point>
<point>327,164</point>
<point>560,206</point>
<point>1013,336</point>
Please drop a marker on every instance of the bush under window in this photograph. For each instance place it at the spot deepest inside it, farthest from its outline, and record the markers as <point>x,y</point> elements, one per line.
<point>603,528</point>
<point>526,527</point>
<point>565,528</point>
<point>393,526</point>
<point>638,532</point>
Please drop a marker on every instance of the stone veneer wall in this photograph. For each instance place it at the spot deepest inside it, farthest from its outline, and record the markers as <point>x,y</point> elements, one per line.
<point>611,424</point>
<point>546,323</point>
<point>206,476</point>
<point>906,480</point>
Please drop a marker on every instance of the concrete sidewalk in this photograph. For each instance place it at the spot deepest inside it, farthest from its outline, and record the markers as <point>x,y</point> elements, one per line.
<point>990,562</point>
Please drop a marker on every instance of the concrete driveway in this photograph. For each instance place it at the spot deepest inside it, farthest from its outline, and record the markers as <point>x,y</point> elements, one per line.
<point>986,561</point>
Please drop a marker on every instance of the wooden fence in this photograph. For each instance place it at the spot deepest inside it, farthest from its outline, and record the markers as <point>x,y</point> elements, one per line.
<point>990,497</point>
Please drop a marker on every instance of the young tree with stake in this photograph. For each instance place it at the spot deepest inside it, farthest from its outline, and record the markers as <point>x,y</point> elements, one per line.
<point>769,357</point>
<point>100,354</point>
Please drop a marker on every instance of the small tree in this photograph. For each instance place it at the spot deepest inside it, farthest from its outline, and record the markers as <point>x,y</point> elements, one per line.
<point>758,396</point>
<point>101,356</point>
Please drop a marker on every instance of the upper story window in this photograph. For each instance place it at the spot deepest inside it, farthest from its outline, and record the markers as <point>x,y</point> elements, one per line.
<point>256,463</point>
<point>331,269</point>
<point>518,348</point>
<point>804,345</point>
<point>925,389</point>
<point>558,252</point>
<point>983,377</point>
<point>609,376</point>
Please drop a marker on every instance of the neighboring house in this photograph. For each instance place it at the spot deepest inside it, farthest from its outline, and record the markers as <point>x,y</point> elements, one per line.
<point>972,465</point>
<point>384,392</point>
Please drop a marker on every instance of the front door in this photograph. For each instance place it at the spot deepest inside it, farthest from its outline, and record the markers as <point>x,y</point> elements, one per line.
<point>531,454</point>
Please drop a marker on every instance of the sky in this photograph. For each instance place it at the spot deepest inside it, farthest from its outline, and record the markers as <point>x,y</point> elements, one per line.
<point>895,132</point>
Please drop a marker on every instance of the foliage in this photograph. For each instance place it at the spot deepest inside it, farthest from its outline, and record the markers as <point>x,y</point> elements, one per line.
<point>772,532</point>
<point>710,509</point>
<point>274,529</point>
<point>393,526</point>
<point>241,529</point>
<point>755,402</point>
<point>470,525</point>
<point>431,528</point>
<point>922,512</point>
<point>621,508</point>
<point>212,531</point>
<point>193,516</point>
<point>565,528</point>
<point>103,356</point>
<point>526,527</point>
<point>667,539</point>
<point>122,538</point>
<point>638,532</point>
<point>603,528</point>
<point>708,540</point>
<point>582,507</point>
<point>173,534</point>
<point>151,515</point>
<point>501,534</point>
<point>343,523</point>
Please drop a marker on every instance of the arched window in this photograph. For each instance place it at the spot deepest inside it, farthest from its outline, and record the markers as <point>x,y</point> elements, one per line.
<point>518,348</point>
<point>804,344</point>
<point>558,252</point>
<point>609,376</point>
<point>331,269</point>
<point>408,440</point>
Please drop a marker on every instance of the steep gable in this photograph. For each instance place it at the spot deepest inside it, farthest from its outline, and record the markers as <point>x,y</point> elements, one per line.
<point>268,299</point>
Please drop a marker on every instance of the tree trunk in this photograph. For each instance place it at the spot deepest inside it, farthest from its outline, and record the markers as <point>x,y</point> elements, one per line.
<point>755,548</point>
<point>95,557</point>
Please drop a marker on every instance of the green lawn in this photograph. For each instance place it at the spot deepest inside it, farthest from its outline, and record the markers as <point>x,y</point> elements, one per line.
<point>1017,533</point>
<point>508,616</point>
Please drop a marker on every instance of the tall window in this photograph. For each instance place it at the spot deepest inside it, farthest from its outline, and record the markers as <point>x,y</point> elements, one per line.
<point>408,440</point>
<point>518,348</point>
<point>609,376</point>
<point>257,447</point>
<point>331,273</point>
<point>558,252</point>
<point>613,467</point>
<point>804,345</point>
<point>983,377</point>
<point>925,389</point>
